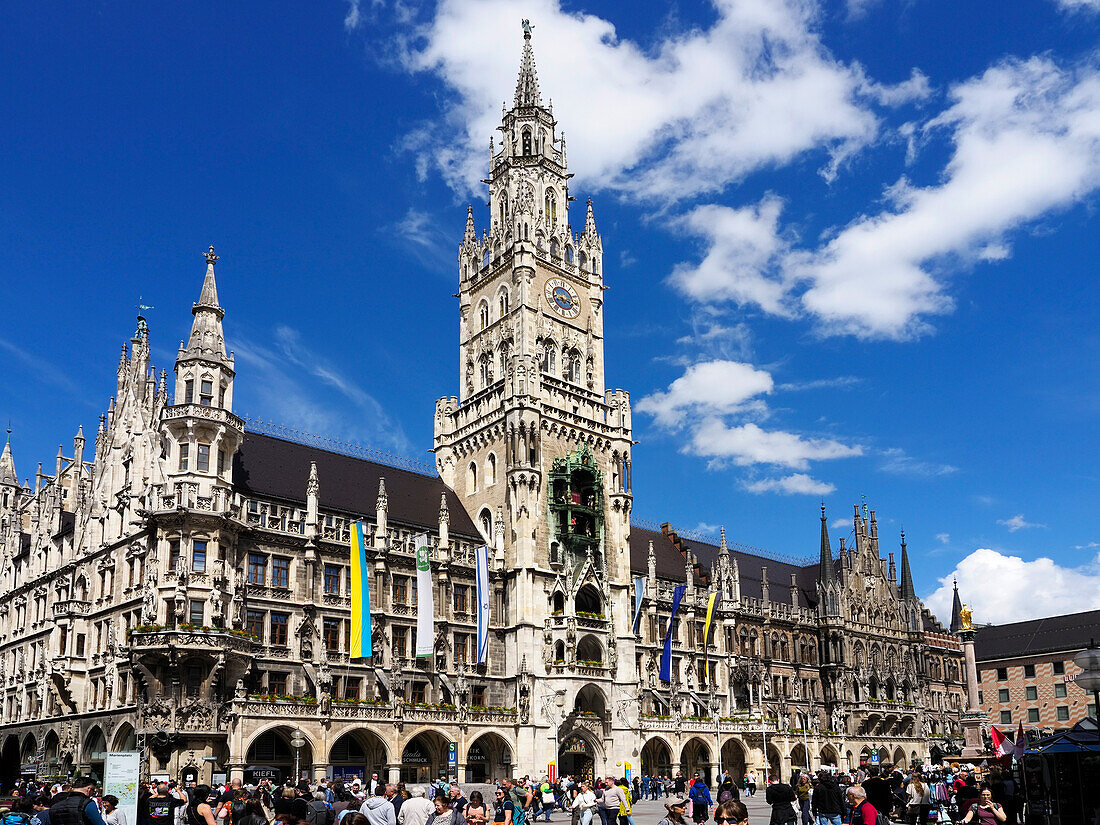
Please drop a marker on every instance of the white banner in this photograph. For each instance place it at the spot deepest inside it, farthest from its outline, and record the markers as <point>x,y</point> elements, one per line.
<point>425,603</point>
<point>122,775</point>
<point>481,573</point>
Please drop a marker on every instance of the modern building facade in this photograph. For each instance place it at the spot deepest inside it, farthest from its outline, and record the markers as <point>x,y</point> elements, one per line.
<point>1026,670</point>
<point>182,589</point>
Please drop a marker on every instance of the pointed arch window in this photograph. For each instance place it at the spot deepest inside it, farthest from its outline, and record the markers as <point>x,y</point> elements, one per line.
<point>572,367</point>
<point>486,519</point>
<point>502,303</point>
<point>555,248</point>
<point>526,142</point>
<point>491,469</point>
<point>568,254</point>
<point>502,210</point>
<point>483,314</point>
<point>503,356</point>
<point>550,208</point>
<point>486,369</point>
<point>471,478</point>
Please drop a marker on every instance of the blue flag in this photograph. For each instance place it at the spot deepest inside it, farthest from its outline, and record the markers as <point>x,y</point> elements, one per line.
<point>639,595</point>
<point>666,656</point>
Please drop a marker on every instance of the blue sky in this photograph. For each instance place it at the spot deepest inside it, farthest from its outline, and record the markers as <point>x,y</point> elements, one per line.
<point>850,246</point>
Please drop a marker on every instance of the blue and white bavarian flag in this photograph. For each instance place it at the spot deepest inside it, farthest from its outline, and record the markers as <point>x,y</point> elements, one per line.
<point>481,573</point>
<point>639,595</point>
<point>666,656</point>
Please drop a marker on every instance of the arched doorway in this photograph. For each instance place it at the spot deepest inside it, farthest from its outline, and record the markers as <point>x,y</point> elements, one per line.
<point>488,759</point>
<point>899,757</point>
<point>28,756</point>
<point>9,763</point>
<point>865,756</point>
<point>695,758</point>
<point>733,759</point>
<point>656,758</point>
<point>51,748</point>
<point>883,757</point>
<point>357,753</point>
<point>424,758</point>
<point>800,758</point>
<point>577,758</point>
<point>125,738</point>
<point>775,764</point>
<point>95,752</point>
<point>829,756</point>
<point>271,756</point>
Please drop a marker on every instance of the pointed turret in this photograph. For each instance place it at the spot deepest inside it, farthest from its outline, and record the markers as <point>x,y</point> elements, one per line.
<point>908,592</point>
<point>527,86</point>
<point>589,220</point>
<point>825,572</point>
<point>470,235</point>
<point>7,465</point>
<point>956,610</point>
<point>313,496</point>
<point>206,329</point>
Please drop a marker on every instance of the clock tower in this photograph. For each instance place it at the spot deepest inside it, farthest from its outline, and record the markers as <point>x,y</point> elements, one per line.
<point>534,445</point>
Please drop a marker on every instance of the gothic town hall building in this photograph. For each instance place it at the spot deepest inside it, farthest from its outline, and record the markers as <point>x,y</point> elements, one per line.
<point>180,585</point>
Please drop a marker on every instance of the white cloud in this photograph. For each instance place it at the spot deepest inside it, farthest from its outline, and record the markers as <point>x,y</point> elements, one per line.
<point>710,387</point>
<point>840,523</point>
<point>895,460</point>
<point>943,538</point>
<point>747,444</point>
<point>688,114</point>
<point>353,18</point>
<point>1088,546</point>
<point>915,89</point>
<point>1002,588</point>
<point>743,246</point>
<point>424,236</point>
<point>1017,522</point>
<point>883,275</point>
<point>1079,5</point>
<point>878,277</point>
<point>794,484</point>
<point>841,382</point>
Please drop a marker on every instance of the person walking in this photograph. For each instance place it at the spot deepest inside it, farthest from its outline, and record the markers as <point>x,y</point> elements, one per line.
<point>700,801</point>
<point>827,800</point>
<point>781,797</point>
<point>750,782</point>
<point>985,810</point>
<point>802,793</point>
<point>585,804</point>
<point>918,799</point>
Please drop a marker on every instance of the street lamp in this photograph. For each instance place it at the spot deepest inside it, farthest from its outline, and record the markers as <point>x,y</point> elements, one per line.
<point>556,718</point>
<point>1089,677</point>
<point>297,741</point>
<point>716,710</point>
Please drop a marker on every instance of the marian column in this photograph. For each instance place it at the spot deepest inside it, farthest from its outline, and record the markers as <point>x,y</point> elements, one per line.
<point>974,718</point>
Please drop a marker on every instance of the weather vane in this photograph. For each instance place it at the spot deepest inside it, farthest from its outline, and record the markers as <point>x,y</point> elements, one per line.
<point>141,307</point>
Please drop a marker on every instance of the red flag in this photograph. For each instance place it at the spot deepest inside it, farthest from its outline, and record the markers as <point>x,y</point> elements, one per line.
<point>1002,745</point>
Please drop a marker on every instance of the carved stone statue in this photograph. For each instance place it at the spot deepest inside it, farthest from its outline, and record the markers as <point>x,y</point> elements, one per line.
<point>324,704</point>
<point>239,691</point>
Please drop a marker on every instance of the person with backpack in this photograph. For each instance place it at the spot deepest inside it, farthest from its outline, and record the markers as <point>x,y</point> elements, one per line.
<point>40,806</point>
<point>318,811</point>
<point>77,807</point>
<point>701,802</point>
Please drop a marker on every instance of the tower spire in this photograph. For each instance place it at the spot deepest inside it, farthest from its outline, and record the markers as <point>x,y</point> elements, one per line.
<point>956,610</point>
<point>7,464</point>
<point>527,86</point>
<point>908,592</point>
<point>825,571</point>
<point>206,329</point>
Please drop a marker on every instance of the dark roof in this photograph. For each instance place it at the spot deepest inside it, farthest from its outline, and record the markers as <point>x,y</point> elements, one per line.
<point>1068,632</point>
<point>670,565</point>
<point>271,467</point>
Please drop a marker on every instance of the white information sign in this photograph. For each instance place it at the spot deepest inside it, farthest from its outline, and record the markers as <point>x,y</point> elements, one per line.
<point>122,776</point>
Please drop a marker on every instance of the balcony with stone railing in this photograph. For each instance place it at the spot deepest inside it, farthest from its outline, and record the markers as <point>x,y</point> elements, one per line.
<point>308,708</point>
<point>69,608</point>
<point>152,637</point>
<point>215,415</point>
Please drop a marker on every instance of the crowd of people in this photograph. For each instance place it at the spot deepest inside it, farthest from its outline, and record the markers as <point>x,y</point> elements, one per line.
<point>947,795</point>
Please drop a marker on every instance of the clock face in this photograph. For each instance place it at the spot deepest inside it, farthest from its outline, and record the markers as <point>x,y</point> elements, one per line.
<point>563,298</point>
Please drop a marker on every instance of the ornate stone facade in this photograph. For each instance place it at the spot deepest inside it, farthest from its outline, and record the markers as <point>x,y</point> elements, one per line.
<point>185,591</point>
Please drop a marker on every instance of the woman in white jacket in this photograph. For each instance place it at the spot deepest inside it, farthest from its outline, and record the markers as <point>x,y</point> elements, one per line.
<point>586,802</point>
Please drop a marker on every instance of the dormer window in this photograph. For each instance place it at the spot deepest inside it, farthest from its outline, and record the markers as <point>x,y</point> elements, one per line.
<point>527,142</point>
<point>206,393</point>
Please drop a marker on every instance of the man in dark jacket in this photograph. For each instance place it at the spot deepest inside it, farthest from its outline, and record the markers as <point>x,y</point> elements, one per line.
<point>827,802</point>
<point>76,807</point>
<point>878,791</point>
<point>781,797</point>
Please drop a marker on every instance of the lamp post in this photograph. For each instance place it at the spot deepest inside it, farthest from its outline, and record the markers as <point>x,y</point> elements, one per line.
<point>716,710</point>
<point>556,717</point>
<point>297,741</point>
<point>1089,677</point>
